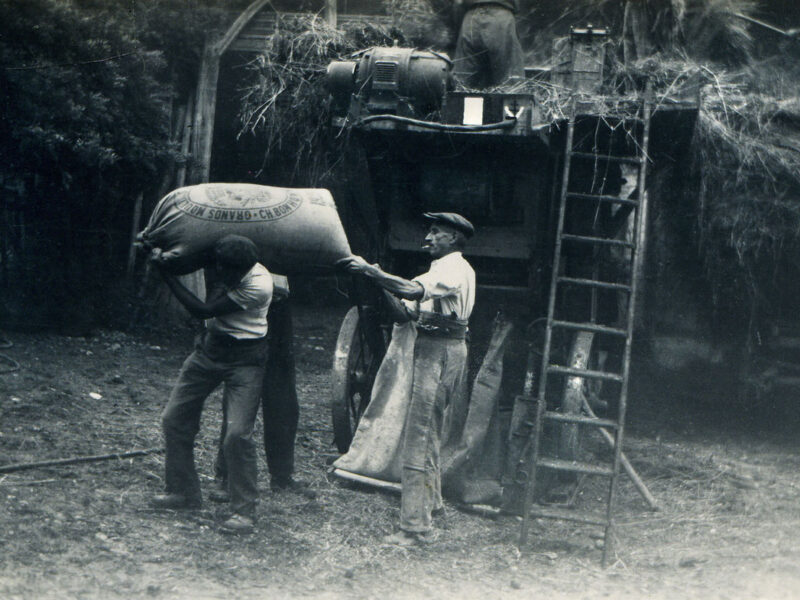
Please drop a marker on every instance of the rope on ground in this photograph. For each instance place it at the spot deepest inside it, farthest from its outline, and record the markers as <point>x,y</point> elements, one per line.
<point>12,365</point>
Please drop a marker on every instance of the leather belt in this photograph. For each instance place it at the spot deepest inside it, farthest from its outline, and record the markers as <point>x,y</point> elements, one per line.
<point>436,325</point>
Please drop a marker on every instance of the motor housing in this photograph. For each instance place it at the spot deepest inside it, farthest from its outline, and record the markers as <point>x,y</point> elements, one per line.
<point>400,81</point>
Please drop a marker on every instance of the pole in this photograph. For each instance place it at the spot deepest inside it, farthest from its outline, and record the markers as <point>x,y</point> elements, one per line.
<point>631,472</point>
<point>137,217</point>
<point>331,13</point>
<point>77,459</point>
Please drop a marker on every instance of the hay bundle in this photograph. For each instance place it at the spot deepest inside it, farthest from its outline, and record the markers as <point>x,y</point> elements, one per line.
<point>285,103</point>
<point>747,158</point>
<point>698,29</point>
<point>425,23</point>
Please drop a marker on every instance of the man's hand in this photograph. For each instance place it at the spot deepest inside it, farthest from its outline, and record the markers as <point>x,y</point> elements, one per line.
<point>355,264</point>
<point>156,259</point>
<point>409,290</point>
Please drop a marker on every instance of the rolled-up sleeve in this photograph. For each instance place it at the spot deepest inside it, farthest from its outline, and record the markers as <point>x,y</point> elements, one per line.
<point>438,283</point>
<point>253,293</point>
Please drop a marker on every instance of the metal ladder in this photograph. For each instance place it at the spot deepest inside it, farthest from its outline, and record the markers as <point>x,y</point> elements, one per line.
<point>638,138</point>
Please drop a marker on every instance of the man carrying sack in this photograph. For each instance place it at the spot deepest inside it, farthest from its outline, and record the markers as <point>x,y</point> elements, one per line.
<point>441,302</point>
<point>232,351</point>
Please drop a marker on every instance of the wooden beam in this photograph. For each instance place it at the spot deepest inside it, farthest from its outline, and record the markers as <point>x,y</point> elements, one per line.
<point>137,217</point>
<point>240,23</point>
<point>206,95</point>
<point>204,111</point>
<point>186,138</point>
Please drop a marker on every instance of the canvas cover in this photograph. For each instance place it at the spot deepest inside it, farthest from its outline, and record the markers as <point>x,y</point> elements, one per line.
<point>473,450</point>
<point>295,230</point>
<point>375,449</point>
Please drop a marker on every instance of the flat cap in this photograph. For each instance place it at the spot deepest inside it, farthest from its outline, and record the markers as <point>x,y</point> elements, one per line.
<point>453,220</point>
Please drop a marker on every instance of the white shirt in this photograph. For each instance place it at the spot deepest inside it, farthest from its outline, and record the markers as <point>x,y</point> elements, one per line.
<point>451,280</point>
<point>253,294</point>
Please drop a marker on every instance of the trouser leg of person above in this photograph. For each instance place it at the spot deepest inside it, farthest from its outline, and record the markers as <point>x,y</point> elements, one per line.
<point>280,408</point>
<point>439,371</point>
<point>471,60</point>
<point>181,422</point>
<point>241,397</point>
<point>488,50</point>
<point>506,58</point>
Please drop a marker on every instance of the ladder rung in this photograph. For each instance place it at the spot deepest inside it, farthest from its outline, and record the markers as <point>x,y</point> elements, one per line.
<point>574,466</point>
<point>603,198</point>
<point>580,419</point>
<point>618,107</point>
<point>566,514</point>
<point>594,283</point>
<point>596,240</point>
<point>525,398</point>
<point>590,327</point>
<point>586,373</point>
<point>631,160</point>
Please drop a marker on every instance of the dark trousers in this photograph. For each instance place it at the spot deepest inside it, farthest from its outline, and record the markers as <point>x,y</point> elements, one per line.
<point>240,367</point>
<point>488,50</point>
<point>279,406</point>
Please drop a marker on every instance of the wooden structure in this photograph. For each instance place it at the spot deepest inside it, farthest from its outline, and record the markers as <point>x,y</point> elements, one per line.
<point>247,34</point>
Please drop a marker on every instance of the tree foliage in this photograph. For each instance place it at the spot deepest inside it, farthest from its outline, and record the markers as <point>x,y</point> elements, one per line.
<point>86,94</point>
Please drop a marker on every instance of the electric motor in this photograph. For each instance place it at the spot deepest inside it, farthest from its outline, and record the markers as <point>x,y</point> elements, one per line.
<point>401,81</point>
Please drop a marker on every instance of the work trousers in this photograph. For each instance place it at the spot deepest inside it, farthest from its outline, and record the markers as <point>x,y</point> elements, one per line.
<point>440,369</point>
<point>279,406</point>
<point>240,367</point>
<point>488,50</point>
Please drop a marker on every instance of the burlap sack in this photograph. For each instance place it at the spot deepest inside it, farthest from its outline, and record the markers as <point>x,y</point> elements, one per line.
<point>295,230</point>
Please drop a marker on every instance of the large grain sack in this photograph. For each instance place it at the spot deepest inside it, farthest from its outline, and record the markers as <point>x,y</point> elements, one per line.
<point>295,230</point>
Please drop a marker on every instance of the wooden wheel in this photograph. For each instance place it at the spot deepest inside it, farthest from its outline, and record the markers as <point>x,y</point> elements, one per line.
<point>355,364</point>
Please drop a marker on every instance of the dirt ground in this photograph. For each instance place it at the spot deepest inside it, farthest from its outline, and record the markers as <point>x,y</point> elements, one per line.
<point>728,484</point>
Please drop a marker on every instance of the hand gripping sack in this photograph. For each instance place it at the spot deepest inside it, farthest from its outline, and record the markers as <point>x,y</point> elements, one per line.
<point>295,230</point>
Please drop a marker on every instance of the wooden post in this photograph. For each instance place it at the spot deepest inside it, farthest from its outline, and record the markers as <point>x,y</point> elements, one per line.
<point>331,13</point>
<point>205,109</point>
<point>137,217</point>
<point>186,137</point>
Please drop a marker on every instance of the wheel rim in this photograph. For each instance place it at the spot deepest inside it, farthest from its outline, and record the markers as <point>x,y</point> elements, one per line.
<point>354,369</point>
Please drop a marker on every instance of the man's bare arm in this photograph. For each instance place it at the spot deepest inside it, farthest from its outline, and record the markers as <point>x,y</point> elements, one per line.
<point>403,288</point>
<point>215,307</point>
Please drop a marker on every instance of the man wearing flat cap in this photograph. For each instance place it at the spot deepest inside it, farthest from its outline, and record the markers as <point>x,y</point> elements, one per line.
<point>440,301</point>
